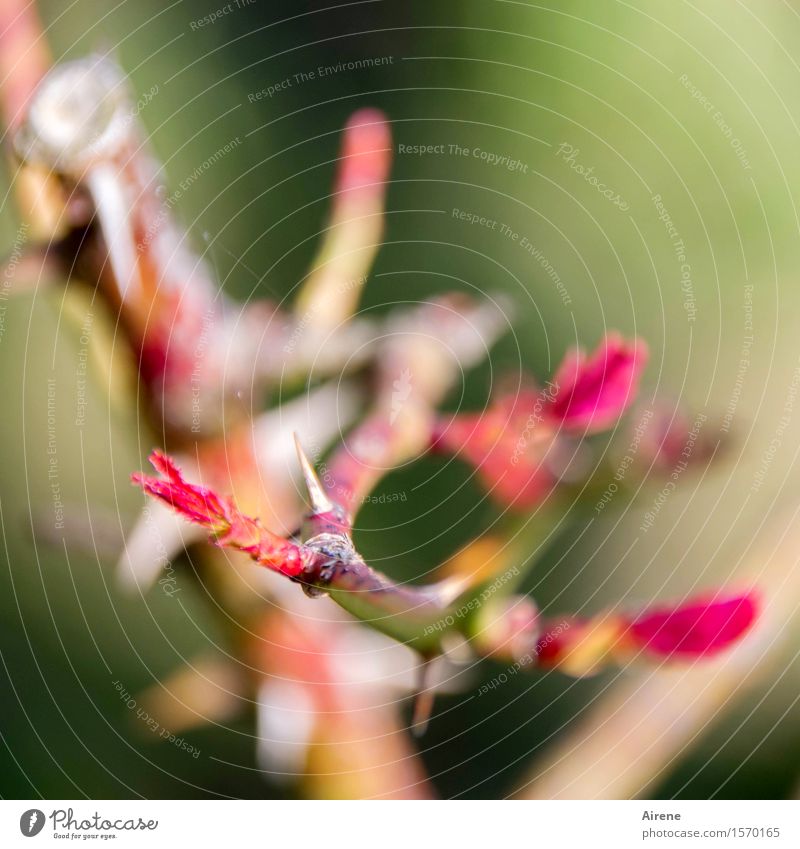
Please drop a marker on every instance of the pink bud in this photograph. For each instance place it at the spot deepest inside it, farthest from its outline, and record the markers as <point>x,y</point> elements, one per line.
<point>593,393</point>
<point>699,627</point>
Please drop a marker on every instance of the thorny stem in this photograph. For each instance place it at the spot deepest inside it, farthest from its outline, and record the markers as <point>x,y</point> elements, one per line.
<point>151,281</point>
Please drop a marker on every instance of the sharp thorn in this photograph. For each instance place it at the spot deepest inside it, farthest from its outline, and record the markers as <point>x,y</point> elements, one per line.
<point>320,503</point>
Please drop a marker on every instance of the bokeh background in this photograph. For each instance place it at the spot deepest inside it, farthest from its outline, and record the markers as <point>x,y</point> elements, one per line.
<point>627,86</point>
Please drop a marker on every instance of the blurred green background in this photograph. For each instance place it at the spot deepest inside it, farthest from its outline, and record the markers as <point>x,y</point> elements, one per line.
<point>627,86</point>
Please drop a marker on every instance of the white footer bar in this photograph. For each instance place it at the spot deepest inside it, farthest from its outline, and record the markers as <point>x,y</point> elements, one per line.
<point>401,825</point>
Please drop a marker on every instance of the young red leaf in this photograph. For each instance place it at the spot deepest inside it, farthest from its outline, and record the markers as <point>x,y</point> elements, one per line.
<point>229,527</point>
<point>697,628</point>
<point>700,627</point>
